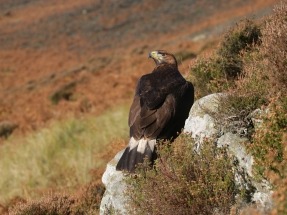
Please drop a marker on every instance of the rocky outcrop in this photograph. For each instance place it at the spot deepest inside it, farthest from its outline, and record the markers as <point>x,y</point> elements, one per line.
<point>200,124</point>
<point>113,201</point>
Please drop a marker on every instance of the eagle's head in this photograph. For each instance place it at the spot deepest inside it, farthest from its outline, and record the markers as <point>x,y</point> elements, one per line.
<point>163,57</point>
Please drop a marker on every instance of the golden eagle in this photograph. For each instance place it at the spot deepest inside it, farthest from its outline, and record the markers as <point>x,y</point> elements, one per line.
<point>161,104</point>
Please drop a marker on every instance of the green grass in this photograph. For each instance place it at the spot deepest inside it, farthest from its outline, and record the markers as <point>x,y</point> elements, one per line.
<point>60,156</point>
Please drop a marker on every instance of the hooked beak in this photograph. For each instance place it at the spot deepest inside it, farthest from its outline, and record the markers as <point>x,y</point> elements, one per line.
<point>153,54</point>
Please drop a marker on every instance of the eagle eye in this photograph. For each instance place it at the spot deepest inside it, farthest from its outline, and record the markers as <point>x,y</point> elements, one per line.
<point>163,54</point>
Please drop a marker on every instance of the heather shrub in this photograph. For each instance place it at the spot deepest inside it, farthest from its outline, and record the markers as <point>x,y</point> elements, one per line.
<point>240,38</point>
<point>264,67</point>
<point>218,73</point>
<point>274,48</point>
<point>263,75</point>
<point>269,150</point>
<point>208,78</point>
<point>87,201</point>
<point>184,181</point>
<point>268,145</point>
<point>248,93</point>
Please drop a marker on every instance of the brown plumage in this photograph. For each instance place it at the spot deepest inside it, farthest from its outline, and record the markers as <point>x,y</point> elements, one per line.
<point>161,104</point>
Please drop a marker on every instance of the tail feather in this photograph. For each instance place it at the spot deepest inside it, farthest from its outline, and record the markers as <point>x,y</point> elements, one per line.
<point>135,153</point>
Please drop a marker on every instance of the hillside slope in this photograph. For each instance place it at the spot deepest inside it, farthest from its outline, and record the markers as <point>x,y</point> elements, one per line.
<point>86,55</point>
<point>64,62</point>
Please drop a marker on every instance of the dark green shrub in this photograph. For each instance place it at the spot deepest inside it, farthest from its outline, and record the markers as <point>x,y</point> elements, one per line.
<point>208,78</point>
<point>268,146</point>
<point>218,73</point>
<point>240,38</point>
<point>65,92</point>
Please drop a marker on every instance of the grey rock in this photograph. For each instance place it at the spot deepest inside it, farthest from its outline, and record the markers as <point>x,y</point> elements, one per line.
<point>114,197</point>
<point>235,145</point>
<point>243,172</point>
<point>200,124</point>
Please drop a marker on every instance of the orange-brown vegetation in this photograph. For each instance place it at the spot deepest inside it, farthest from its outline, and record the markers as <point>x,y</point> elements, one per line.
<point>49,44</point>
<point>63,59</point>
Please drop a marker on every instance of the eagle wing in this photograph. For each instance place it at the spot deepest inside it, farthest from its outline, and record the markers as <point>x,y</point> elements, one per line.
<point>154,104</point>
<point>149,123</point>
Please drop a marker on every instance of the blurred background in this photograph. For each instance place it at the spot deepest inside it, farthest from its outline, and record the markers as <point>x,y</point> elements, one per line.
<point>68,69</point>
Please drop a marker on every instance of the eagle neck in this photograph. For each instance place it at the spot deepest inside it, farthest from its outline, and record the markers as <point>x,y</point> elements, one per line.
<point>159,67</point>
